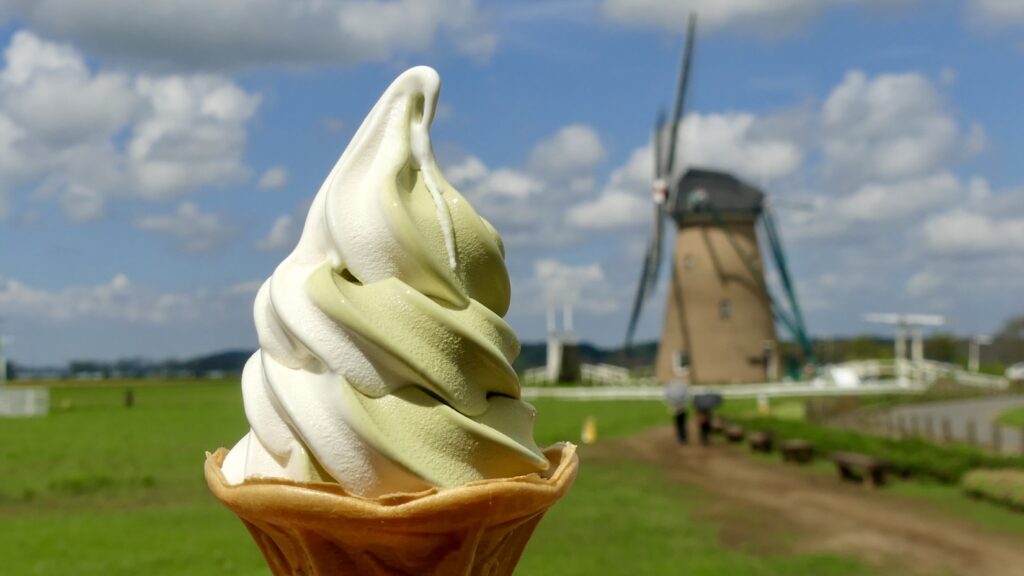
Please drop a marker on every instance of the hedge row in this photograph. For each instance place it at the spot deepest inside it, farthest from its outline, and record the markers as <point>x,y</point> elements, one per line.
<point>946,463</point>
<point>1002,486</point>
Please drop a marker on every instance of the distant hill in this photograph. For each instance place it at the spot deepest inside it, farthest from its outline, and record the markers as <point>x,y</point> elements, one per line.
<point>228,361</point>
<point>1007,348</point>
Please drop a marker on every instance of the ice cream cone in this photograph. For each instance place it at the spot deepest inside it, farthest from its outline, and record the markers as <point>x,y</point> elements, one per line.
<point>320,529</point>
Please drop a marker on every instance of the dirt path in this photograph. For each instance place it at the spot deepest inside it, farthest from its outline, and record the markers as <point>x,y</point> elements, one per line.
<point>767,507</point>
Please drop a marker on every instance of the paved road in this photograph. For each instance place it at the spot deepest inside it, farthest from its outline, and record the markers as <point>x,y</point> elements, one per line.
<point>959,414</point>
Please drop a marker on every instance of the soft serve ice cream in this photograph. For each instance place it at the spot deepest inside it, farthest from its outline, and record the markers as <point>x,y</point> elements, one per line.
<point>384,362</point>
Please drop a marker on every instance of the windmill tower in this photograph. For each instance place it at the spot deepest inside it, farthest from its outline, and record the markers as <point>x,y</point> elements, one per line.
<point>720,316</point>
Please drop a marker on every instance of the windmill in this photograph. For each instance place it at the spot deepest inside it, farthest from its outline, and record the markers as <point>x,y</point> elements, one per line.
<point>720,316</point>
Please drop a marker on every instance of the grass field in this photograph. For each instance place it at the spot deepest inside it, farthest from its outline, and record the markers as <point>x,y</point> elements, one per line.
<point>1013,417</point>
<point>96,488</point>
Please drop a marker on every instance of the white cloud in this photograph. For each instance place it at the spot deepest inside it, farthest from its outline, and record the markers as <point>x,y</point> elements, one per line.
<point>118,299</point>
<point>527,204</point>
<point>585,287</point>
<point>966,231</point>
<point>996,12</point>
<point>924,282</point>
<point>764,17</point>
<point>478,45</point>
<point>283,234</point>
<point>888,127</point>
<point>195,231</point>
<point>574,149</point>
<point>58,324</point>
<point>151,137</point>
<point>610,210</point>
<point>757,148</point>
<point>738,142</point>
<point>509,183</point>
<point>195,134</point>
<point>976,140</point>
<point>467,171</point>
<point>274,178</point>
<point>713,14</point>
<point>878,202</point>
<point>197,34</point>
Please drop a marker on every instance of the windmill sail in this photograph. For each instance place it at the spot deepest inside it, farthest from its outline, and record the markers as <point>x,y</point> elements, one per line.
<point>664,160</point>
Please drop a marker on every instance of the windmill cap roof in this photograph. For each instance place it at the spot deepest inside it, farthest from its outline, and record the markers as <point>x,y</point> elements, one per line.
<point>698,187</point>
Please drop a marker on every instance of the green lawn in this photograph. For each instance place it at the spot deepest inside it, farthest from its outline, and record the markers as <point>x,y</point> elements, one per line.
<point>1013,417</point>
<point>99,489</point>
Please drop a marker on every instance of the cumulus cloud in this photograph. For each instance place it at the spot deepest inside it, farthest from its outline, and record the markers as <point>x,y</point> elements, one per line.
<point>967,231</point>
<point>468,170</point>
<point>625,200</point>
<point>196,34</point>
<point>118,299</point>
<point>611,210</point>
<point>193,229</point>
<point>56,325</point>
<point>283,234</point>
<point>996,12</point>
<point>757,148</point>
<point>527,203</point>
<point>890,126</point>
<point>572,150</point>
<point>122,135</point>
<point>585,287</point>
<point>879,202</point>
<point>274,178</point>
<point>765,17</point>
<point>924,282</point>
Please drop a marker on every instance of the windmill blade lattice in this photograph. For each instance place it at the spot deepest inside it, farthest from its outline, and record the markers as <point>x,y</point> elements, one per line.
<point>664,164</point>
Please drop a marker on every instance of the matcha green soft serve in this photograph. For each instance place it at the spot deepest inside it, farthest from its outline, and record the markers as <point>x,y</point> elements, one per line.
<point>384,362</point>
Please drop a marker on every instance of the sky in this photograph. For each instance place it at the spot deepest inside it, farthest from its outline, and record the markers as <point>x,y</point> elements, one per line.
<point>157,158</point>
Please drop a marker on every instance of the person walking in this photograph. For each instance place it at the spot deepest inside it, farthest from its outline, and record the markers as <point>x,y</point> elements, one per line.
<point>677,396</point>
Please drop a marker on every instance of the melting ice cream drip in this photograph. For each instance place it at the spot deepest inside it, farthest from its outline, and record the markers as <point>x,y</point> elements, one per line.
<point>424,155</point>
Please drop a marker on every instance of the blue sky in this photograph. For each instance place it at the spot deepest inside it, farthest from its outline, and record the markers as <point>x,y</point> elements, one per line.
<point>155,166</point>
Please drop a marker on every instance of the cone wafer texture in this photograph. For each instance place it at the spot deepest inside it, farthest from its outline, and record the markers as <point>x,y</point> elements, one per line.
<point>319,529</point>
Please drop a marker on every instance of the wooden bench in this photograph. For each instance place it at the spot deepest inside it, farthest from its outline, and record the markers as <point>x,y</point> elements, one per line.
<point>761,441</point>
<point>734,433</point>
<point>858,467</point>
<point>797,451</point>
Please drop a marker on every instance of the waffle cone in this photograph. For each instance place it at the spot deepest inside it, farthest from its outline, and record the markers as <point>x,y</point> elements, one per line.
<point>319,529</point>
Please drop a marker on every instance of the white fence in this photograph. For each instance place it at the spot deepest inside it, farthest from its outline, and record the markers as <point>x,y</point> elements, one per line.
<point>605,382</point>
<point>590,375</point>
<point>24,401</point>
<point>770,390</point>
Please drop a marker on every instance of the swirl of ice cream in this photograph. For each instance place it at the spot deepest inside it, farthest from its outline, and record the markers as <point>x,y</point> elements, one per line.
<point>384,362</point>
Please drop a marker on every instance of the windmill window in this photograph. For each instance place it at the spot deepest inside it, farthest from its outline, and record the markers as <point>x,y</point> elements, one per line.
<point>725,309</point>
<point>689,262</point>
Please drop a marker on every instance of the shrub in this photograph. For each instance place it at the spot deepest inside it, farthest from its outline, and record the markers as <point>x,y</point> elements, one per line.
<point>909,457</point>
<point>1002,486</point>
